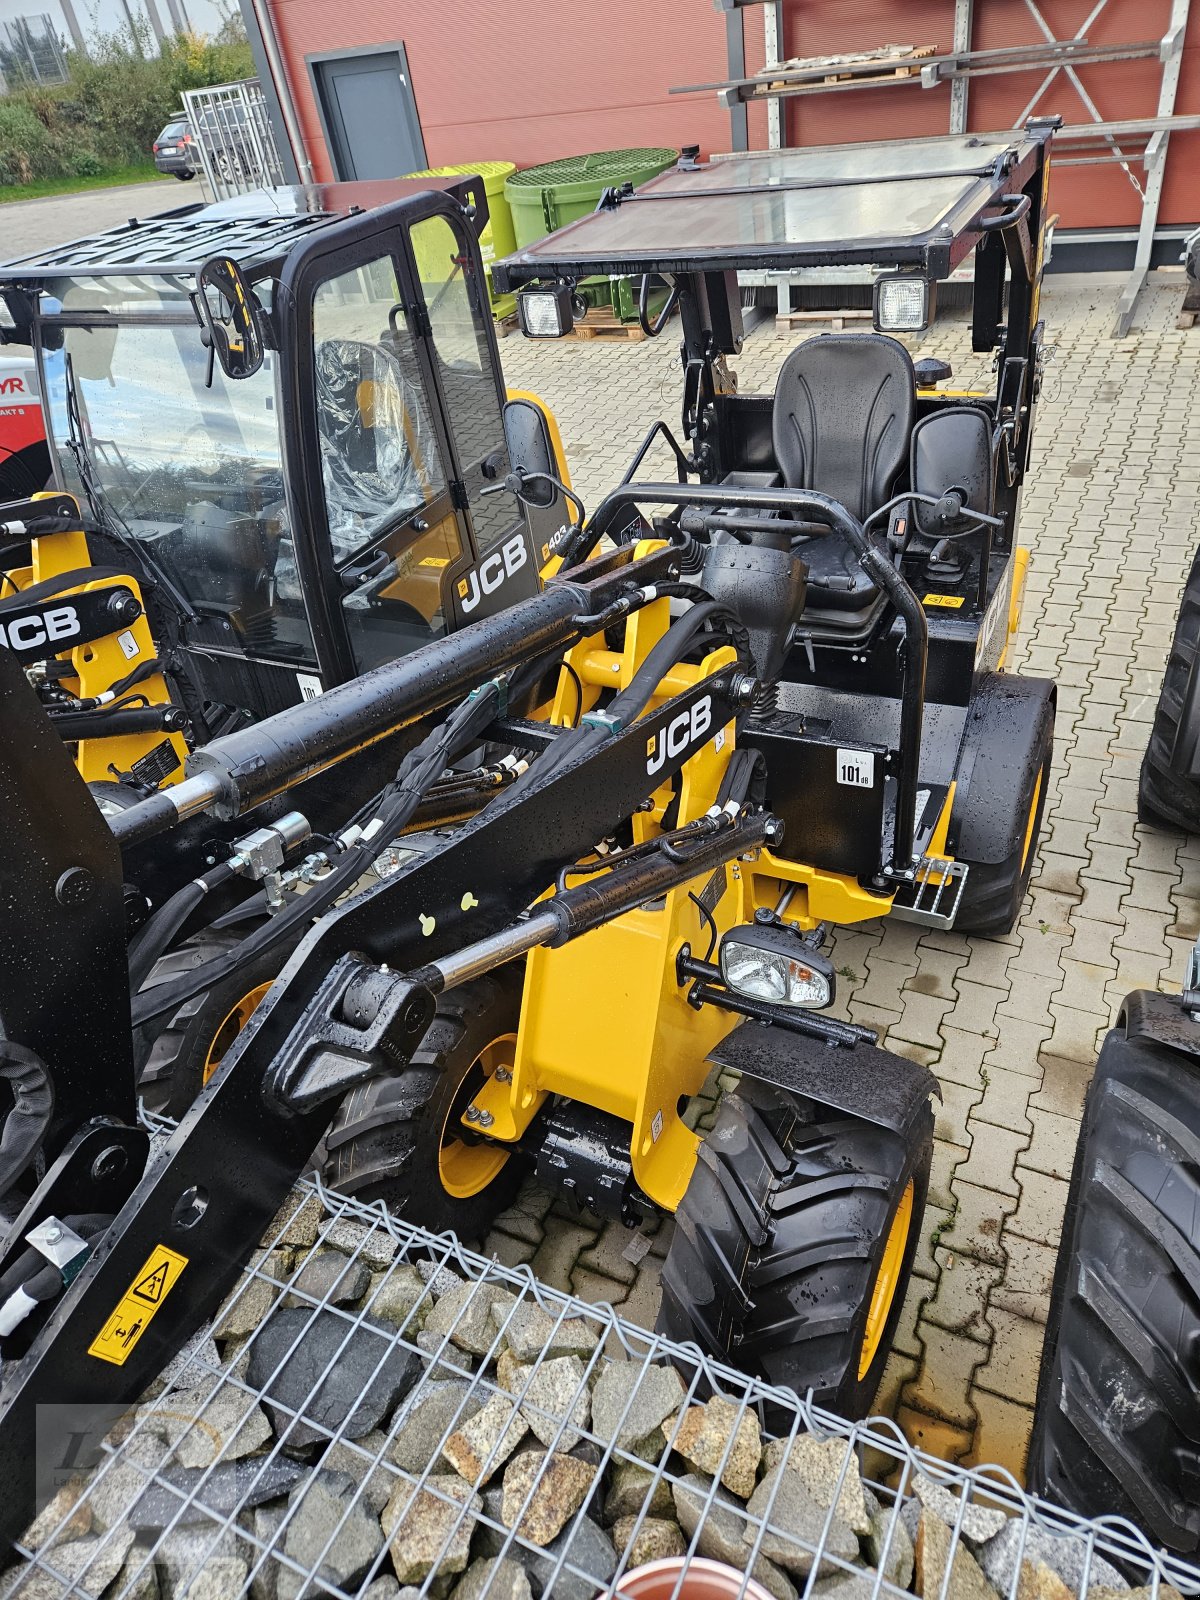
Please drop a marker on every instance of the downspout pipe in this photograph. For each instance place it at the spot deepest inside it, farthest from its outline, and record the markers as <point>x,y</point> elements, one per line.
<point>283,89</point>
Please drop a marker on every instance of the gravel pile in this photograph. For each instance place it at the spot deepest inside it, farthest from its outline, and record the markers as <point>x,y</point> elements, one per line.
<point>383,1416</point>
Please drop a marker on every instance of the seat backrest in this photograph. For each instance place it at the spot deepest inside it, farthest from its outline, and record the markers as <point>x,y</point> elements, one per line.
<point>844,410</point>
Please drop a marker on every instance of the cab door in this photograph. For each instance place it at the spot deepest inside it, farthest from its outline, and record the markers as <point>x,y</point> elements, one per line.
<point>393,428</point>
<point>453,317</point>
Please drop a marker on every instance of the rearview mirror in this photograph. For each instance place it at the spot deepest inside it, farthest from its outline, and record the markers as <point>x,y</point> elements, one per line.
<point>952,450</point>
<point>230,317</point>
<point>530,451</point>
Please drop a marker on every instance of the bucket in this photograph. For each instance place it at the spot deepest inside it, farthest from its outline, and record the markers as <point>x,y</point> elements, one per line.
<point>702,1580</point>
<point>497,239</point>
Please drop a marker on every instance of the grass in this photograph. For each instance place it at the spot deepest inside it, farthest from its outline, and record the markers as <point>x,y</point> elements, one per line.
<point>141,172</point>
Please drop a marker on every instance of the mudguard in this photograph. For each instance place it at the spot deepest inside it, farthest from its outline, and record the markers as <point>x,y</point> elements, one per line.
<point>861,1080</point>
<point>996,766</point>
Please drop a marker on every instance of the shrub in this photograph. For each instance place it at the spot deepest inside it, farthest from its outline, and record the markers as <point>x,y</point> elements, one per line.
<point>117,98</point>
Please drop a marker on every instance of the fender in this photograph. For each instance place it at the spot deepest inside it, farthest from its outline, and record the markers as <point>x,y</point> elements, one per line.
<point>861,1080</point>
<point>994,763</point>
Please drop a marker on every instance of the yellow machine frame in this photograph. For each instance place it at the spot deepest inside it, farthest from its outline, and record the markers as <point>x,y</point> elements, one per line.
<point>649,1052</point>
<point>97,665</point>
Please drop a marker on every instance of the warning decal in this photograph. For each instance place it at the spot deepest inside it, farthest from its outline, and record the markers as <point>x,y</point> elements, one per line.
<point>951,601</point>
<point>120,1334</point>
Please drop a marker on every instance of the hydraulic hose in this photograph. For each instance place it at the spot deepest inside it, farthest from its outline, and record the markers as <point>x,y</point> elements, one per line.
<point>421,768</point>
<point>153,939</point>
<point>33,1104</point>
<point>33,1278</point>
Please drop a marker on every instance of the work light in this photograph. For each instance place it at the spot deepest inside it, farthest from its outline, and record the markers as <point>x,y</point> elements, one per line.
<point>545,311</point>
<point>903,304</point>
<point>765,961</point>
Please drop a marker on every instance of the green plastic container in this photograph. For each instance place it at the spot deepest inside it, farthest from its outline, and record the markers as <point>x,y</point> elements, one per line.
<point>497,238</point>
<point>544,198</point>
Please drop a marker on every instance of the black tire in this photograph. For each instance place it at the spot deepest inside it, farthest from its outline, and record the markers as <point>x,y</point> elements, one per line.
<point>1117,1425</point>
<point>387,1137</point>
<point>185,177</point>
<point>999,844</point>
<point>780,1239</point>
<point>1168,799</point>
<point>178,1057</point>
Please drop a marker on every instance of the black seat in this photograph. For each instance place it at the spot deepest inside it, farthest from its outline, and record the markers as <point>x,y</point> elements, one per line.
<point>845,405</point>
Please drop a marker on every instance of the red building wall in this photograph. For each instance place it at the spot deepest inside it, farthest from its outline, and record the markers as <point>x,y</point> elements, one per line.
<point>495,81</point>
<point>502,82</point>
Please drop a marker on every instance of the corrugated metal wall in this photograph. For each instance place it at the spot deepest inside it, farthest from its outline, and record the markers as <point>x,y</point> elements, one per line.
<point>501,82</point>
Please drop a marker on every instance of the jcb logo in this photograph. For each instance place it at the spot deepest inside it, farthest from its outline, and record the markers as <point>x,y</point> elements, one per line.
<point>490,574</point>
<point>683,731</point>
<point>12,385</point>
<point>40,627</point>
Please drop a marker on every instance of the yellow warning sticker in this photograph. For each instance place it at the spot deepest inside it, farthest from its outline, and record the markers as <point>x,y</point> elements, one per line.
<point>463,588</point>
<point>952,601</point>
<point>434,561</point>
<point>119,1335</point>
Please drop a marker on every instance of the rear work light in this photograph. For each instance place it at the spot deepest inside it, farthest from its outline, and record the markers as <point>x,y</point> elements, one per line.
<point>903,304</point>
<point>545,311</point>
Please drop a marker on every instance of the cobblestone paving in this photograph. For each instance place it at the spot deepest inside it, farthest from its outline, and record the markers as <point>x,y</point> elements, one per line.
<point>1010,1026</point>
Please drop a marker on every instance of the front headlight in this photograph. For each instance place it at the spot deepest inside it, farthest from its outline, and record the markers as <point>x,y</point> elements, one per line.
<point>903,304</point>
<point>765,962</point>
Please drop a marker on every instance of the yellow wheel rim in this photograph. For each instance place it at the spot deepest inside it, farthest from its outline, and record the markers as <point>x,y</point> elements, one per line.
<point>235,1020</point>
<point>1032,822</point>
<point>466,1169</point>
<point>887,1281</point>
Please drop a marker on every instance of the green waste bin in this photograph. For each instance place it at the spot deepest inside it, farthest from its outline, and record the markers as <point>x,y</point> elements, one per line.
<point>547,197</point>
<point>497,238</point>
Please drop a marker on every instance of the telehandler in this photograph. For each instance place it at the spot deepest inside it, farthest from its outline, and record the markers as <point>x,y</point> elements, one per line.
<point>249,541</point>
<point>615,819</point>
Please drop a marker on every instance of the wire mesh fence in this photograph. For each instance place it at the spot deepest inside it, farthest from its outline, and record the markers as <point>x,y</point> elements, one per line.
<point>378,1410</point>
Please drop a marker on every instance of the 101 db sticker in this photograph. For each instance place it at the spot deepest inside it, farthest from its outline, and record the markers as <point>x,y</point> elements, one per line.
<point>856,768</point>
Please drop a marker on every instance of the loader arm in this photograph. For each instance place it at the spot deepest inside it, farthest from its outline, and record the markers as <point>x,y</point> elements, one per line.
<point>355,998</point>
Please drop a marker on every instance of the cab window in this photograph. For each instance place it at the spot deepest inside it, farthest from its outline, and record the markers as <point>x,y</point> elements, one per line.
<point>456,299</point>
<point>392,525</point>
<point>379,455</point>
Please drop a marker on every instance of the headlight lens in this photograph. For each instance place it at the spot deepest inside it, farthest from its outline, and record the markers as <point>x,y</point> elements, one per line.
<point>545,313</point>
<point>901,305</point>
<point>762,974</point>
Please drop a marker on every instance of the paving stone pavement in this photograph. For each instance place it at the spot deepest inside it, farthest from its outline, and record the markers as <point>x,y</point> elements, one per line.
<point>1010,1025</point>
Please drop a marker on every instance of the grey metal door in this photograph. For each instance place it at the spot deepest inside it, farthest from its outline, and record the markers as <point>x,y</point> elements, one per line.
<point>370,113</point>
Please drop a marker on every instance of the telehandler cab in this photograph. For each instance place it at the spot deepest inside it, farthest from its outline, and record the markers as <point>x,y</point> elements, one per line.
<point>550,961</point>
<point>278,534</point>
<point>256,530</point>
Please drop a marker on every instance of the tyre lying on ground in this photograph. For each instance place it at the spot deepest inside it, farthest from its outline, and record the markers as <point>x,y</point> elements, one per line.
<point>1117,1425</point>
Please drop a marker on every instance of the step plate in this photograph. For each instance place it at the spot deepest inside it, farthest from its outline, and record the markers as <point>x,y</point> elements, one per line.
<point>933,898</point>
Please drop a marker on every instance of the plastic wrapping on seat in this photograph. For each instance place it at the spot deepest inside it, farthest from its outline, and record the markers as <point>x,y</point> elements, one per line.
<point>376,443</point>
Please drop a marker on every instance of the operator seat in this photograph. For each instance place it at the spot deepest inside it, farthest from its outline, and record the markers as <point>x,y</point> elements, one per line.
<point>845,405</point>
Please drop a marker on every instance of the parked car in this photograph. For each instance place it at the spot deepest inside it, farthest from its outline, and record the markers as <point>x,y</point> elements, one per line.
<point>176,151</point>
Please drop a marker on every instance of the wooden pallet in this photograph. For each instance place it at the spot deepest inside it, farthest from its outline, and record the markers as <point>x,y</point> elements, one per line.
<point>603,323</point>
<point>837,317</point>
<point>871,66</point>
<point>1189,311</point>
